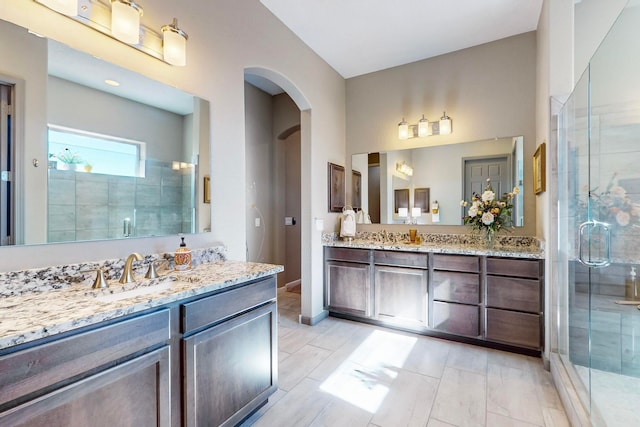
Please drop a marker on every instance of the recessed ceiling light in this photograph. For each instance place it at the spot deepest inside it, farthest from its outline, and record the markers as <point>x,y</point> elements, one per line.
<point>112,82</point>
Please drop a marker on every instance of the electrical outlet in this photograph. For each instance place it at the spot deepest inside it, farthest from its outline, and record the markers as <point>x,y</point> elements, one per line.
<point>257,222</point>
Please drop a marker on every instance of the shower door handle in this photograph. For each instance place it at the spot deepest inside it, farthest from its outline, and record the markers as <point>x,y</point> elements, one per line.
<point>593,224</point>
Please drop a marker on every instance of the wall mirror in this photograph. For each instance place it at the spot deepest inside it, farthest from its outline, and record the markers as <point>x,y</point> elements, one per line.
<point>120,155</point>
<point>433,176</point>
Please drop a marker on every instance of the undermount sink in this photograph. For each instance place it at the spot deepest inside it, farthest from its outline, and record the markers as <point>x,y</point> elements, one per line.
<point>116,294</point>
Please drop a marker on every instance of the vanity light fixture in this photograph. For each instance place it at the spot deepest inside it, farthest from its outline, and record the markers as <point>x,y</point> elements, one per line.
<point>424,128</point>
<point>125,21</point>
<point>66,7</point>
<point>174,44</point>
<point>445,124</point>
<point>404,168</point>
<point>121,20</point>
<point>403,129</point>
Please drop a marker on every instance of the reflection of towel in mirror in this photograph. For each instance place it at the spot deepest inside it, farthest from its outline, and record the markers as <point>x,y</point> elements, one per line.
<point>348,223</point>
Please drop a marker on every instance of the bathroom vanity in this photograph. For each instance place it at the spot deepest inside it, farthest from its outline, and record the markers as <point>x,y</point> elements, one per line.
<point>492,298</point>
<point>200,351</point>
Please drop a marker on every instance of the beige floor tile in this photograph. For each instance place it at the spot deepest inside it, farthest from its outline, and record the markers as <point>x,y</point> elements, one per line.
<point>461,399</point>
<point>273,399</point>
<point>293,342</point>
<point>511,392</point>
<point>555,418</point>
<point>468,358</point>
<point>336,335</point>
<point>297,366</point>
<point>437,423</point>
<point>408,401</point>
<point>297,408</point>
<point>339,413</point>
<point>496,420</point>
<point>428,357</point>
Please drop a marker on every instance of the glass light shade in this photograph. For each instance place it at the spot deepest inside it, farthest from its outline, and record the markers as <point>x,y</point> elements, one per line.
<point>403,212</point>
<point>403,130</point>
<point>125,21</point>
<point>445,124</point>
<point>416,212</point>
<point>423,127</point>
<point>66,7</point>
<point>174,45</point>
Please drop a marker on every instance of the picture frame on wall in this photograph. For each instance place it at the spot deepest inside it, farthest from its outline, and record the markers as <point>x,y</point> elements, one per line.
<point>421,199</point>
<point>336,187</point>
<point>207,189</point>
<point>539,169</point>
<point>400,199</point>
<point>356,189</point>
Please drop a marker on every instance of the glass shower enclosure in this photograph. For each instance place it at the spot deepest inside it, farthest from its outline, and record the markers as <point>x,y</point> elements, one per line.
<point>599,229</point>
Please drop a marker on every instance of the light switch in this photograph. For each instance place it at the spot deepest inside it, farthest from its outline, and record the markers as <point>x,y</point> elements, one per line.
<point>257,222</point>
<point>288,220</point>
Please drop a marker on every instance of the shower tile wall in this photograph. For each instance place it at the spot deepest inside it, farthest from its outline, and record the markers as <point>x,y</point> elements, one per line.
<point>90,206</point>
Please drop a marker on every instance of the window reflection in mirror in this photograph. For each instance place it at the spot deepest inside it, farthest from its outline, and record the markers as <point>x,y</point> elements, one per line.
<point>156,136</point>
<point>437,168</point>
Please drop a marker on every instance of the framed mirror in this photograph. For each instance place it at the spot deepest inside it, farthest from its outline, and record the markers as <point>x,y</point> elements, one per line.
<point>106,153</point>
<point>431,175</point>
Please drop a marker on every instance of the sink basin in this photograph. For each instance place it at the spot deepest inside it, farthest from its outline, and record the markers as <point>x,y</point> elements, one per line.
<point>108,296</point>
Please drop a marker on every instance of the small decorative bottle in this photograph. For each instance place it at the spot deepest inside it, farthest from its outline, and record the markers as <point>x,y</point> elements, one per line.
<point>182,257</point>
<point>631,286</point>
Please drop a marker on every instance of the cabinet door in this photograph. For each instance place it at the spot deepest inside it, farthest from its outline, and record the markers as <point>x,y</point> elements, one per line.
<point>348,287</point>
<point>135,393</point>
<point>521,329</point>
<point>401,295</point>
<point>231,368</point>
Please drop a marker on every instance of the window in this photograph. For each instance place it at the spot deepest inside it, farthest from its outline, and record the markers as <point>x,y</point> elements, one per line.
<point>91,152</point>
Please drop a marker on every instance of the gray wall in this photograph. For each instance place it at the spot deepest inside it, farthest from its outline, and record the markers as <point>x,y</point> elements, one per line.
<point>488,91</point>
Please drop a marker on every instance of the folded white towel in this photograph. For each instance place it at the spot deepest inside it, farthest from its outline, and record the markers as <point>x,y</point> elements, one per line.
<point>348,224</point>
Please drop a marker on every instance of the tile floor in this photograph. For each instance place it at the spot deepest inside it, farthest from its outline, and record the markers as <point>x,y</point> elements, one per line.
<point>342,373</point>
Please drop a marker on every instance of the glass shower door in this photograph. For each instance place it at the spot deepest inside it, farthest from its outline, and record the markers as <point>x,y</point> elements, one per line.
<point>599,249</point>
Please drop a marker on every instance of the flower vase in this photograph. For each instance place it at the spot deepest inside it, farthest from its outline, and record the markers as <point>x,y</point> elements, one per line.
<point>489,238</point>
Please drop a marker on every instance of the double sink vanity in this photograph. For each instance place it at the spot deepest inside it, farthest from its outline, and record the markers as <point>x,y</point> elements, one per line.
<point>449,286</point>
<point>199,349</point>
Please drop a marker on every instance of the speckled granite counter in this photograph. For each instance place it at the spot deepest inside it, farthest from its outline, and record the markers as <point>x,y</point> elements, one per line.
<point>29,316</point>
<point>463,244</point>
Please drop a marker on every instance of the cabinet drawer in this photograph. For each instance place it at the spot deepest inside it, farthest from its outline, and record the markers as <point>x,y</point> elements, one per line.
<point>456,287</point>
<point>514,294</point>
<point>36,368</point>
<point>402,259</point>
<point>514,267</point>
<point>456,263</point>
<point>456,318</point>
<point>347,254</point>
<point>216,307</point>
<point>522,329</point>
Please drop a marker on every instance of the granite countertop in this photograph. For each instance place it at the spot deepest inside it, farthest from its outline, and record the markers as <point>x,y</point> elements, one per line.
<point>34,315</point>
<point>442,248</point>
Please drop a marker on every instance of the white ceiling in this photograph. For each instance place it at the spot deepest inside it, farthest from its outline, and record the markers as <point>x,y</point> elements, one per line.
<point>361,36</point>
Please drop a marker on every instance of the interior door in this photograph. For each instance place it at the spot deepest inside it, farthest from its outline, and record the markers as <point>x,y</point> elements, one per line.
<point>478,170</point>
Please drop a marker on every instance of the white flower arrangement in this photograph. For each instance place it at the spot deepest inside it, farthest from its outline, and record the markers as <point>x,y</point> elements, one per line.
<point>488,214</point>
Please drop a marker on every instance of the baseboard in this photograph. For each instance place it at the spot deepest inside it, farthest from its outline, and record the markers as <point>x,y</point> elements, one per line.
<point>314,320</point>
<point>291,285</point>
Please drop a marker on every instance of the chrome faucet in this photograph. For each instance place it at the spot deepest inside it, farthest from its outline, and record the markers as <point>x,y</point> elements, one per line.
<point>127,271</point>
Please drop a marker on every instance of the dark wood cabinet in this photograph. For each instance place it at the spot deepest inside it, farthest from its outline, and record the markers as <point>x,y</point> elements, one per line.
<point>230,368</point>
<point>514,302</point>
<point>100,377</point>
<point>401,295</point>
<point>455,289</point>
<point>348,281</point>
<point>205,360</point>
<point>134,393</point>
<point>492,301</point>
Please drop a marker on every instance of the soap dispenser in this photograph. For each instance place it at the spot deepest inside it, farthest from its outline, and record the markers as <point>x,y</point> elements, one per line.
<point>631,286</point>
<point>182,257</point>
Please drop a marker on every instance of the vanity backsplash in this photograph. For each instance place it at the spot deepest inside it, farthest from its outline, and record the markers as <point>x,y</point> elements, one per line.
<point>506,241</point>
<point>14,283</point>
